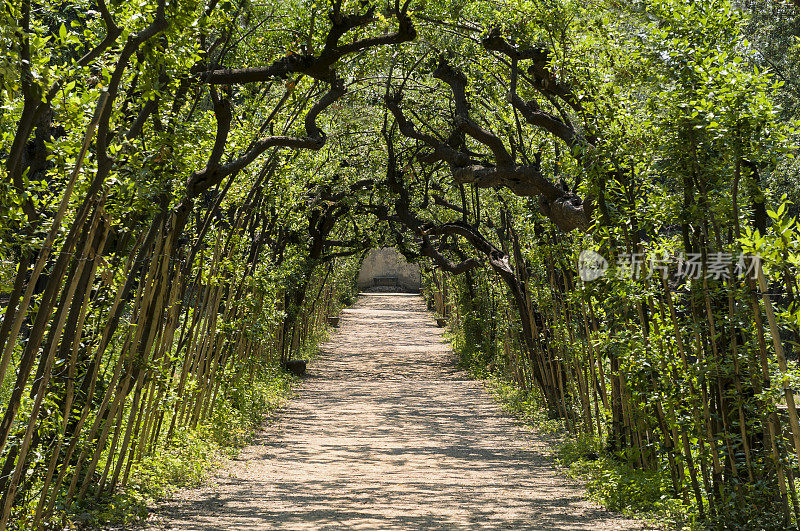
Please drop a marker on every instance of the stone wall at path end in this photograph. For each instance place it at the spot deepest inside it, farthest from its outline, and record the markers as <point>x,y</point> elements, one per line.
<point>386,268</point>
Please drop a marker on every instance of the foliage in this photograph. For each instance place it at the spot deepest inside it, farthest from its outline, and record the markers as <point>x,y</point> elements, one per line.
<point>187,186</point>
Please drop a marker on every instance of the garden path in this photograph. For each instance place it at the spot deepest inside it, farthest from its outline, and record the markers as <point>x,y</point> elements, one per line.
<point>386,433</point>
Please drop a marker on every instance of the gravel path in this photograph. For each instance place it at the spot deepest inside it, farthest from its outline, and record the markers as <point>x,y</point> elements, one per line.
<point>385,433</point>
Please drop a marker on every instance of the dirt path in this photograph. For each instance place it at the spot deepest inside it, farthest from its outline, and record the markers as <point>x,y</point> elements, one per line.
<point>386,434</point>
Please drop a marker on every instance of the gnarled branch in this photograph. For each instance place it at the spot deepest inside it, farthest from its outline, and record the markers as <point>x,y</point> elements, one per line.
<point>565,210</point>
<point>320,66</point>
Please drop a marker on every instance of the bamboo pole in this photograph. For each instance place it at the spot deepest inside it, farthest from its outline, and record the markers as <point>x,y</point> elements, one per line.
<point>67,300</point>
<point>788,392</point>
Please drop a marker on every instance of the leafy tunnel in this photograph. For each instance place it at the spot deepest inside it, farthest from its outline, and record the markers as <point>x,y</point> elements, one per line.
<point>189,188</point>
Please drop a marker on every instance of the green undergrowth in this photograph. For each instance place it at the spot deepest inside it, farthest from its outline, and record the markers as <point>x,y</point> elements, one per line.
<point>608,479</point>
<point>193,454</point>
<point>198,452</point>
<point>620,487</point>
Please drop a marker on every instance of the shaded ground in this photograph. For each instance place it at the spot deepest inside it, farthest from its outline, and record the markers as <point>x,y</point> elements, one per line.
<point>386,434</point>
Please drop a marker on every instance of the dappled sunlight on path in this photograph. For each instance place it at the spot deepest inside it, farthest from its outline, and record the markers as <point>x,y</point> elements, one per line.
<point>385,433</point>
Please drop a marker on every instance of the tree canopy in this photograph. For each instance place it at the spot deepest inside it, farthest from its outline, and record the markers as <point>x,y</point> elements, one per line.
<point>188,188</point>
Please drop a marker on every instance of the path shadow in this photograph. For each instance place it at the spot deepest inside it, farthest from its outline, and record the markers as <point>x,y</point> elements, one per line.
<point>386,433</point>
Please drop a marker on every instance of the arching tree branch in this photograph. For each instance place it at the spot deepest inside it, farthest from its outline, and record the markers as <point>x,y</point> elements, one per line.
<point>320,66</point>
<point>565,210</point>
